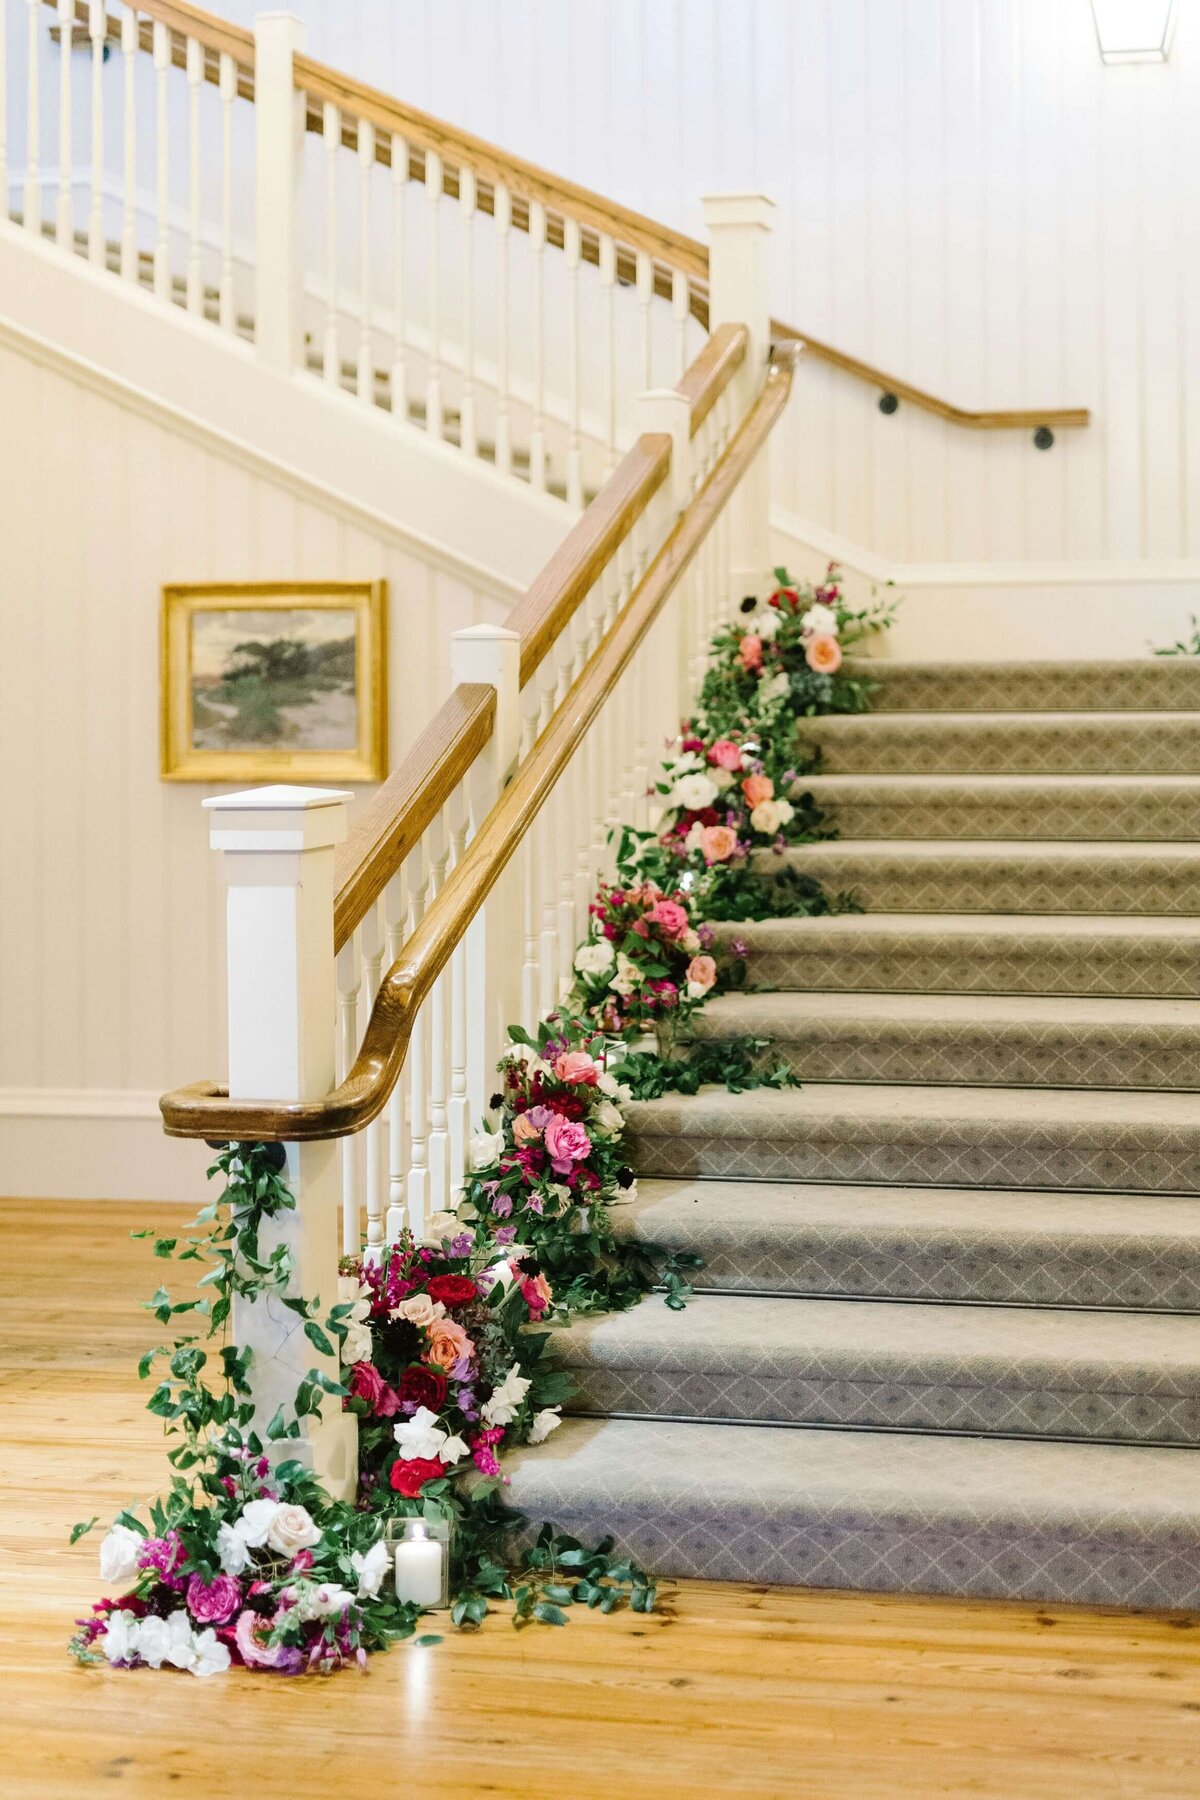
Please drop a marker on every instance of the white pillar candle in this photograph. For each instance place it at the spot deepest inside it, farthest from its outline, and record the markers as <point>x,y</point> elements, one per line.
<point>419,1568</point>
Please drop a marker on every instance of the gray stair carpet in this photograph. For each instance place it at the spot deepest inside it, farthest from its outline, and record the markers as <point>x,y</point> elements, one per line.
<point>1033,1248</point>
<point>969,1039</point>
<point>946,1338</point>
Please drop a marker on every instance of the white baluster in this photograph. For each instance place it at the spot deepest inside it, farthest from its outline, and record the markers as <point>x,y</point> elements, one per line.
<point>502,208</point>
<point>227,88</point>
<point>195,76</point>
<point>396,913</point>
<point>64,228</point>
<point>374,943</point>
<point>466,215</point>
<point>129,49</point>
<point>162,64</point>
<point>366,166</point>
<point>433,205</point>
<point>547,858</point>
<point>537,250</point>
<point>349,981</point>
<point>458,1105</point>
<point>97,28</point>
<point>417,1184</point>
<point>608,288</point>
<point>32,201</point>
<point>644,283</point>
<point>4,105</point>
<point>399,353</point>
<point>331,139</point>
<point>439,1060</point>
<point>571,251</point>
<point>529,874</point>
<point>679,312</point>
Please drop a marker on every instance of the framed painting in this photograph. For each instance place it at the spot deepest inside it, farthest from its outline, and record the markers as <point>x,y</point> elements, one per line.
<point>275,681</point>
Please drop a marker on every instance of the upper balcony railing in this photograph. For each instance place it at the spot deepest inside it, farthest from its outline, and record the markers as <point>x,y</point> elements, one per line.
<point>394,256</point>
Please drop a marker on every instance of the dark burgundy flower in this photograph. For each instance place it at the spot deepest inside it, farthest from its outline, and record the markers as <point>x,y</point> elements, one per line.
<point>422,1386</point>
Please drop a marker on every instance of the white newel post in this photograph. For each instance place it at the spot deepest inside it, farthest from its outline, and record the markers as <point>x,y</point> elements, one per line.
<point>739,228</point>
<point>277,845</point>
<point>279,143</point>
<point>490,654</point>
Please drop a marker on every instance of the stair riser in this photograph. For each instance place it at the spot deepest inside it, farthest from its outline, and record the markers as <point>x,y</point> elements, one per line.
<point>950,883</point>
<point>1170,684</point>
<point>683,1537</point>
<point>982,966</point>
<point>1076,1272</point>
<point>990,1401</point>
<point>954,745</point>
<point>1128,818</point>
<point>918,1153</point>
<point>983,1054</point>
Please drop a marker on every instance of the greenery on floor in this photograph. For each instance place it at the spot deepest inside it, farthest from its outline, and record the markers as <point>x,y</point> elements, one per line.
<point>442,1345</point>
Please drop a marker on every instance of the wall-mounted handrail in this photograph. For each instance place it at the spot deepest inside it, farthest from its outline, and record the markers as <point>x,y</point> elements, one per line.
<point>204,1109</point>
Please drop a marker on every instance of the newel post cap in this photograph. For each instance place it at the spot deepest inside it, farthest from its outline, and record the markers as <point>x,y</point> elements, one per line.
<point>280,818</point>
<point>738,209</point>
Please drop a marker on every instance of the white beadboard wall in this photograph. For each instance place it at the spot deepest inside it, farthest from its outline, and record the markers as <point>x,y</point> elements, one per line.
<point>111,952</point>
<point>967,198</point>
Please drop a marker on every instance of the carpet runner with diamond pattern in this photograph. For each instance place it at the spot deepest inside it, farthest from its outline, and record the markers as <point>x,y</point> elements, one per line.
<point>947,1335</point>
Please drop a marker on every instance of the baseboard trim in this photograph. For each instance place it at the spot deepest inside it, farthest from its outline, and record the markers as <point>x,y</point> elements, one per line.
<point>95,1144</point>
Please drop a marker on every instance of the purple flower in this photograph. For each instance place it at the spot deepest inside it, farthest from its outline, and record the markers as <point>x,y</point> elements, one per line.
<point>737,946</point>
<point>502,1206</point>
<point>534,1204</point>
<point>463,1244</point>
<point>507,1234</point>
<point>166,1555</point>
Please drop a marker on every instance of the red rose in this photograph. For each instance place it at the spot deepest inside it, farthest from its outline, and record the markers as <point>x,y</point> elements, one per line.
<point>410,1474</point>
<point>422,1386</point>
<point>452,1290</point>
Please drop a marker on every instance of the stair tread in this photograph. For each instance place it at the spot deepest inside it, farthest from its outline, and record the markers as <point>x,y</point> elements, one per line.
<point>779,1014</point>
<point>663,1204</point>
<point>885,1340</point>
<point>841,926</point>
<point>882,785</point>
<point>1118,719</point>
<point>994,850</point>
<point>1136,1492</point>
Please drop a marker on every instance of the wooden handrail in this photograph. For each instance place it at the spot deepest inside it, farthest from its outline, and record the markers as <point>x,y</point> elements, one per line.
<point>204,1110</point>
<point>402,807</point>
<point>708,377</point>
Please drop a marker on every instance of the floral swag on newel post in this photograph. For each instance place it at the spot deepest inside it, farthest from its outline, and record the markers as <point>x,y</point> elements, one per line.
<point>442,1347</point>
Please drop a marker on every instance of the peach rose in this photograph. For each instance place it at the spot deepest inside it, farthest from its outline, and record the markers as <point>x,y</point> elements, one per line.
<point>702,970</point>
<point>718,843</point>
<point>758,788</point>
<point>577,1065</point>
<point>750,652</point>
<point>823,653</point>
<point>524,1131</point>
<point>725,754</point>
<point>447,1342</point>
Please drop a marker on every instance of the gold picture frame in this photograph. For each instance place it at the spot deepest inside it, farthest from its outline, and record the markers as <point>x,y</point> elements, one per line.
<point>308,703</point>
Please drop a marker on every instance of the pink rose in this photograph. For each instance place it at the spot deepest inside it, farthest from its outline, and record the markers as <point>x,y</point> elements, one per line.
<point>577,1065</point>
<point>251,1634</point>
<point>758,788</point>
<point>535,1290</point>
<point>368,1384</point>
<point>725,754</point>
<point>702,970</point>
<point>524,1130</point>
<point>447,1341</point>
<point>718,843</point>
<point>213,1602</point>
<point>823,653</point>
<point>567,1143</point>
<point>750,652</point>
<point>670,917</point>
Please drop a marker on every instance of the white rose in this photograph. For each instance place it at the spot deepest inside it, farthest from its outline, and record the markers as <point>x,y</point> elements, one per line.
<point>767,627</point>
<point>502,1408</point>
<point>769,815</point>
<point>627,977</point>
<point>485,1150</point>
<point>595,958</point>
<point>775,689</point>
<point>371,1566</point>
<point>120,1639</point>
<point>166,1641</point>
<point>357,1344</point>
<point>692,792</point>
<point>419,1310</point>
<point>685,762</point>
<point>821,620</point>
<point>439,1226</point>
<point>785,810</point>
<point>690,941</point>
<point>722,779</point>
<point>606,1119</point>
<point>691,842</point>
<point>292,1530</point>
<point>544,1422</point>
<point>119,1555</point>
<point>209,1655</point>
<point>696,990</point>
<point>255,1522</point>
<point>231,1549</point>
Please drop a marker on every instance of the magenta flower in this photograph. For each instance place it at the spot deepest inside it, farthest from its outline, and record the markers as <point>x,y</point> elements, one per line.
<point>213,1602</point>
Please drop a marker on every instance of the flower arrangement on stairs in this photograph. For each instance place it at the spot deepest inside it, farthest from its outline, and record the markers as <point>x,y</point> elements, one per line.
<point>443,1345</point>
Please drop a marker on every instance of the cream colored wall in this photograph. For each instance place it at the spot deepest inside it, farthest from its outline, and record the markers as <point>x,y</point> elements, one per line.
<point>111,957</point>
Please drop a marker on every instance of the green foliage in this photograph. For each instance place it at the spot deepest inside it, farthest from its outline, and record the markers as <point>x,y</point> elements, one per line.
<point>735,1063</point>
<point>1189,646</point>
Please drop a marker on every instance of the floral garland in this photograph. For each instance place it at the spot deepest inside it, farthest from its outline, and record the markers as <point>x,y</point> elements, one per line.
<point>245,1560</point>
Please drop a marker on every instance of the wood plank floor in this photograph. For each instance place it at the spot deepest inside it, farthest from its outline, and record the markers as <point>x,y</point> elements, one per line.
<point>729,1691</point>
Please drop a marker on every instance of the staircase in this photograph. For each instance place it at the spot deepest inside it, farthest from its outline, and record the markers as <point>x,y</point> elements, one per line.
<point>946,1338</point>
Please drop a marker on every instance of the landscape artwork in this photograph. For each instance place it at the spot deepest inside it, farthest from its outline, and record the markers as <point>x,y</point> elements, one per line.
<point>273,681</point>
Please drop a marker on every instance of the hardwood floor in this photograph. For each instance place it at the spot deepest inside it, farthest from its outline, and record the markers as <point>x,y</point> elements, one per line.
<point>728,1691</point>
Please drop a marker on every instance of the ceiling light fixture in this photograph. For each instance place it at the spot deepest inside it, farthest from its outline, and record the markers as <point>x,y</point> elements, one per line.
<point>1134,31</point>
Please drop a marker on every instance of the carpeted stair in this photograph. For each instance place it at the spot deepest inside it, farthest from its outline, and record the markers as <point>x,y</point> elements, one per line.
<point>947,1335</point>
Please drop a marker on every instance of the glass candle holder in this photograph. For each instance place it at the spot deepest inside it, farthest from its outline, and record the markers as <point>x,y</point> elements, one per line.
<point>421,1552</point>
